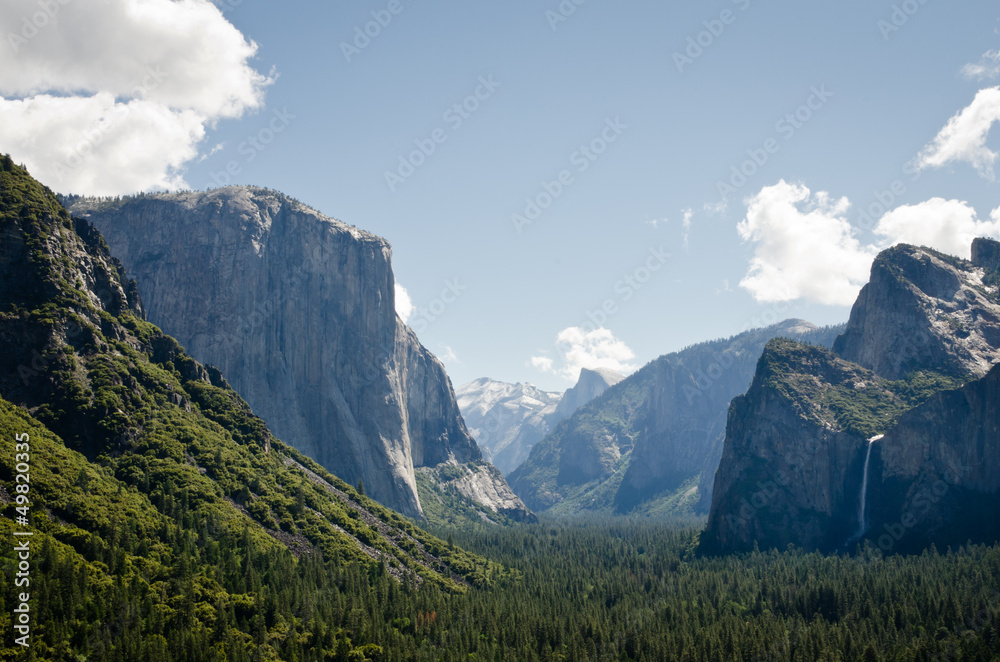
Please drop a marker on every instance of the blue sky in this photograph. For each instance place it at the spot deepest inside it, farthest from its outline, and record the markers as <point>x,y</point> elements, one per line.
<point>636,252</point>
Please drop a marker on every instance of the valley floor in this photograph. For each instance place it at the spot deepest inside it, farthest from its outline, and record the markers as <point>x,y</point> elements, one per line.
<point>634,590</point>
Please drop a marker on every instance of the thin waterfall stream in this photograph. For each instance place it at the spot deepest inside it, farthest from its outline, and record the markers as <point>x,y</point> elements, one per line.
<point>863,500</point>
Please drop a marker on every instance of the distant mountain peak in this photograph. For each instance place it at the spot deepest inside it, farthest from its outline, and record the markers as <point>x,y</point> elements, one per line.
<point>591,384</point>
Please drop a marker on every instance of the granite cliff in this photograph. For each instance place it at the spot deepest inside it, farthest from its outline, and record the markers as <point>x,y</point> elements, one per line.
<point>590,385</point>
<point>890,436</point>
<point>298,311</point>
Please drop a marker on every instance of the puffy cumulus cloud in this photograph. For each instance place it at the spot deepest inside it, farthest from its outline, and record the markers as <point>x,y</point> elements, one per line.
<point>964,136</point>
<point>404,304</point>
<point>92,142</point>
<point>115,96</point>
<point>582,348</point>
<point>804,247</point>
<point>947,225</point>
<point>987,68</point>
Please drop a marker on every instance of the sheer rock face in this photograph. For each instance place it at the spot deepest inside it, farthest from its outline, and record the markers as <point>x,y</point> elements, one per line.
<point>793,468</point>
<point>788,473</point>
<point>298,310</point>
<point>935,477</point>
<point>924,308</point>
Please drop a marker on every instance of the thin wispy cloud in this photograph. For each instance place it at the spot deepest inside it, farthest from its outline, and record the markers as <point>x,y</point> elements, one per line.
<point>986,68</point>
<point>963,139</point>
<point>686,224</point>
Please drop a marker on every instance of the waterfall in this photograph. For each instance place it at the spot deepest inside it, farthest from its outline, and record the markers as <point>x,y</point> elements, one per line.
<point>863,500</point>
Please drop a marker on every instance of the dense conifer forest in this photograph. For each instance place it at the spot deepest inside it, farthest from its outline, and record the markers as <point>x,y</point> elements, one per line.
<point>599,590</point>
<point>168,524</point>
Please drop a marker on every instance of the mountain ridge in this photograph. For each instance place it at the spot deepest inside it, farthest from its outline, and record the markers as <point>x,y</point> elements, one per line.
<point>651,443</point>
<point>317,349</point>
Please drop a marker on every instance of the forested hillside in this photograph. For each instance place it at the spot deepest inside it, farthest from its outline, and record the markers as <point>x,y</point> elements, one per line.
<point>168,522</point>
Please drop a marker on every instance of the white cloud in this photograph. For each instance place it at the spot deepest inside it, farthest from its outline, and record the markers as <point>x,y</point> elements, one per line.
<point>947,225</point>
<point>987,68</point>
<point>542,363</point>
<point>404,304</point>
<point>115,96</point>
<point>804,247</point>
<point>964,136</point>
<point>580,348</point>
<point>718,208</point>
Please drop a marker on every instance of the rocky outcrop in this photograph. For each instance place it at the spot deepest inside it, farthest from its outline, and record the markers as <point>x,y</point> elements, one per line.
<point>298,311</point>
<point>652,442</point>
<point>924,308</point>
